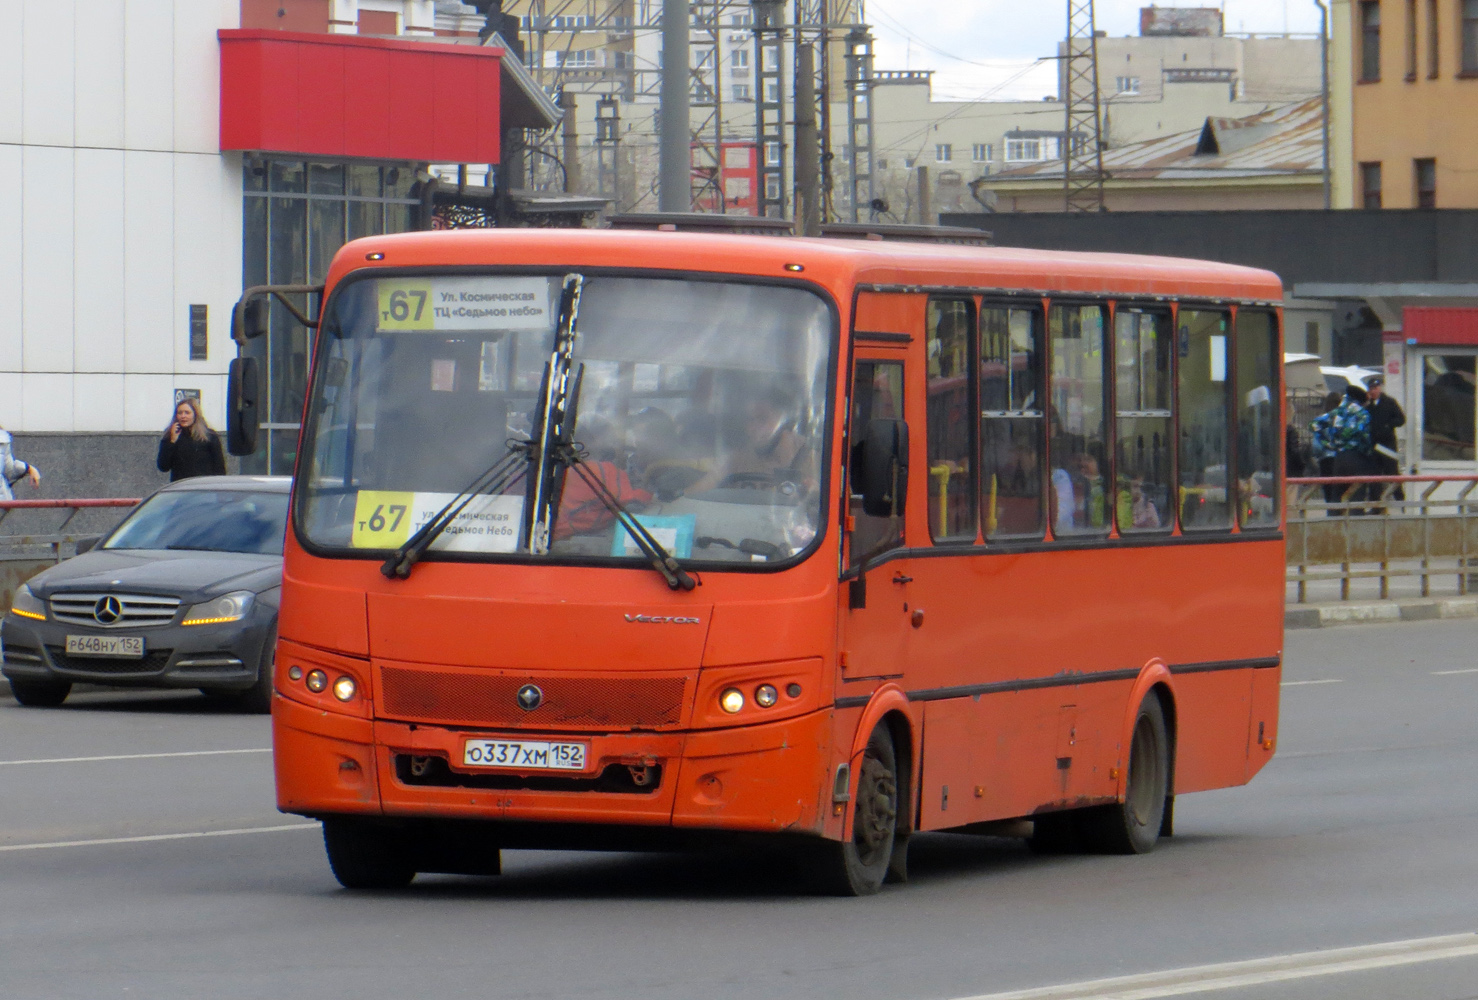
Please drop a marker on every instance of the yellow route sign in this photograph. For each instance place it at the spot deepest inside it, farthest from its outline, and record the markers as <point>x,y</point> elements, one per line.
<point>405,304</point>
<point>382,519</point>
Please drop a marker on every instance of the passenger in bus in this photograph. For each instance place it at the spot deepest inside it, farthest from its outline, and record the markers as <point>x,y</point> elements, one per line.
<point>581,511</point>
<point>1142,510</point>
<point>1078,501</point>
<point>659,462</point>
<point>768,450</point>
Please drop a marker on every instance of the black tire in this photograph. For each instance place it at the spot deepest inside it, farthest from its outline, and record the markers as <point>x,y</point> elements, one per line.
<point>1134,825</point>
<point>1055,833</point>
<point>40,694</point>
<point>859,865</point>
<point>367,855</point>
<point>257,699</point>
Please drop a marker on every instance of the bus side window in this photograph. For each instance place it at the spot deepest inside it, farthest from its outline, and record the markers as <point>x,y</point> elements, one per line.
<point>1011,395</point>
<point>1142,470</point>
<point>951,486</point>
<point>1259,437</point>
<point>877,394</point>
<point>1078,420</point>
<point>1203,393</point>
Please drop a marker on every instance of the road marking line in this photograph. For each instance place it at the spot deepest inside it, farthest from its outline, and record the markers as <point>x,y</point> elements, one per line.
<point>1449,673</point>
<point>1330,680</point>
<point>158,836</point>
<point>130,756</point>
<point>1256,972</point>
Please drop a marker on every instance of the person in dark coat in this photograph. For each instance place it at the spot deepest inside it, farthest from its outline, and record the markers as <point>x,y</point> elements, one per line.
<point>189,447</point>
<point>1385,416</point>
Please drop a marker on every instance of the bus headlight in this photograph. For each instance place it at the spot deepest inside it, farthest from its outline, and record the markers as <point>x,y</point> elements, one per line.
<point>731,701</point>
<point>226,608</point>
<point>317,680</point>
<point>27,605</point>
<point>765,696</point>
<point>344,688</point>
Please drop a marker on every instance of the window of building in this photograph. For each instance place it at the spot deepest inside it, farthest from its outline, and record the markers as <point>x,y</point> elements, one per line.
<point>1433,40</point>
<point>980,152</point>
<point>1425,172</point>
<point>1369,40</point>
<point>1259,397</point>
<point>908,162</point>
<point>1077,446</point>
<point>739,58</point>
<point>1470,37</point>
<point>743,92</point>
<point>1144,489</point>
<point>1448,407</point>
<point>1202,402</point>
<point>1127,84</point>
<point>578,58</point>
<point>943,152</point>
<point>950,421</point>
<point>1023,149</point>
<point>772,91</point>
<point>1411,44</point>
<point>877,394</point>
<point>772,187</point>
<point>295,216</point>
<point>1311,337</point>
<point>772,154</point>
<point>1370,196</point>
<point>1011,424</point>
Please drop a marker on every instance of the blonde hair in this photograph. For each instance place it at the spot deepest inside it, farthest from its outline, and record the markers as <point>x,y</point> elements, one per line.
<point>199,429</point>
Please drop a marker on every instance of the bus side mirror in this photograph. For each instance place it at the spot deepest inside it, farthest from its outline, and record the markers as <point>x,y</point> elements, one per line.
<point>249,319</point>
<point>884,473</point>
<point>241,407</point>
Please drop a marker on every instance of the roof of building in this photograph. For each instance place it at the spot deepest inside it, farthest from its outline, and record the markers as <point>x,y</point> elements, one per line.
<point>1281,141</point>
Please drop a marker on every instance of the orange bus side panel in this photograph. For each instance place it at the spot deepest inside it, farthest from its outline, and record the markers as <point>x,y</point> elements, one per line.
<point>1262,733</point>
<point>318,773</point>
<point>888,312</point>
<point>777,789</point>
<point>326,617</point>
<point>1211,729</point>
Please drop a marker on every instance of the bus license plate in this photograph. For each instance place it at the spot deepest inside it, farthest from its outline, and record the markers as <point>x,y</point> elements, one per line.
<point>123,647</point>
<point>525,755</point>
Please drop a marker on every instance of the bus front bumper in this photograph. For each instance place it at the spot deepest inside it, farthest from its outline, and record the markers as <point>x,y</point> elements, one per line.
<point>763,778</point>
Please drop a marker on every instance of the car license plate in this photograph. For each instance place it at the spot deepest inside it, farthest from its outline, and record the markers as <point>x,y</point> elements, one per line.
<point>126,647</point>
<point>525,755</point>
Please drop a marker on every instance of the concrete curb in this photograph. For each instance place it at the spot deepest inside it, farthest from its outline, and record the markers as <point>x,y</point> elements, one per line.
<point>1372,612</point>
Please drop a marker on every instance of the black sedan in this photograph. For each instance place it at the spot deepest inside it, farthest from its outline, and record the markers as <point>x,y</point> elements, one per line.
<point>182,594</point>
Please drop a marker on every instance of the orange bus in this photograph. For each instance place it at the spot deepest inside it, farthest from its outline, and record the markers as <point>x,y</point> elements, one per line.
<point>612,539</point>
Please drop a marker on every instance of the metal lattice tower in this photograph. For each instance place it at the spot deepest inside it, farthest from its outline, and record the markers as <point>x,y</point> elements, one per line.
<point>1082,140</point>
<point>859,122</point>
<point>769,105</point>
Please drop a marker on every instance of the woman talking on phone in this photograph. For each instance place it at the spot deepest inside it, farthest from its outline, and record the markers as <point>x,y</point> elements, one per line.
<point>189,447</point>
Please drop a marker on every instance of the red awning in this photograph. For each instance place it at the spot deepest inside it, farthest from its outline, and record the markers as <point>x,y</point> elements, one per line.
<point>1440,325</point>
<point>346,95</point>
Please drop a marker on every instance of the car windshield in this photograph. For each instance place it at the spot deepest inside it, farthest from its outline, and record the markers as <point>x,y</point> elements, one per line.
<point>206,520</point>
<point>702,409</point>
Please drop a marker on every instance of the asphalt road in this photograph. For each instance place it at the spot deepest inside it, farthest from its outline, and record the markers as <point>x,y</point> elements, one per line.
<point>1362,831</point>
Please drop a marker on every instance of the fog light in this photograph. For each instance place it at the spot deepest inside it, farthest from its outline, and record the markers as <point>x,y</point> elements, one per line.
<point>317,681</point>
<point>344,688</point>
<point>731,701</point>
<point>295,673</point>
<point>794,690</point>
<point>765,695</point>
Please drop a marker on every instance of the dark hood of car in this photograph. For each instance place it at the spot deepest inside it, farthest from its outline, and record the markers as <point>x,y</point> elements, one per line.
<point>176,573</point>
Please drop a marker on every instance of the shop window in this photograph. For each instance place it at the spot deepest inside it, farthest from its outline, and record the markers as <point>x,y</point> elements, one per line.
<point>295,216</point>
<point>951,486</point>
<point>1448,413</point>
<point>1370,40</point>
<point>1011,421</point>
<point>877,394</point>
<point>1143,487</point>
<point>1077,445</point>
<point>1201,400</point>
<point>1425,176</point>
<point>1259,433</point>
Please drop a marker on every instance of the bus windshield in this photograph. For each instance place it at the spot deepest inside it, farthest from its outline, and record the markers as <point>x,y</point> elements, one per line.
<point>702,410</point>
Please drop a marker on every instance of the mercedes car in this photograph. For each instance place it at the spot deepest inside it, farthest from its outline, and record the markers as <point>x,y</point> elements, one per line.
<point>182,594</point>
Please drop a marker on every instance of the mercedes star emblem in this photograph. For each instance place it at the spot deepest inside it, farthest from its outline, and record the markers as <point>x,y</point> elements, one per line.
<point>530,697</point>
<point>107,610</point>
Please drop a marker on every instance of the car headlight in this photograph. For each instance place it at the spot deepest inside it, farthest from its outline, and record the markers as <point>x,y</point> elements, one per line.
<point>226,608</point>
<point>27,604</point>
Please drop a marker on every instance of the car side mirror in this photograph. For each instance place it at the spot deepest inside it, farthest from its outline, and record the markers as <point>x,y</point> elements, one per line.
<point>88,544</point>
<point>242,416</point>
<point>883,477</point>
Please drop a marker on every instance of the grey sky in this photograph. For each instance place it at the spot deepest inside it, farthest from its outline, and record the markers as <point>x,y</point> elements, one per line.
<point>984,48</point>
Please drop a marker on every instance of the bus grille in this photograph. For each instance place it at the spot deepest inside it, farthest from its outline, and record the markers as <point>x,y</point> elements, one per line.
<point>481,699</point>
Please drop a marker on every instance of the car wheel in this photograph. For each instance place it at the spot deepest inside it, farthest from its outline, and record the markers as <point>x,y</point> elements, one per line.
<point>257,699</point>
<point>40,694</point>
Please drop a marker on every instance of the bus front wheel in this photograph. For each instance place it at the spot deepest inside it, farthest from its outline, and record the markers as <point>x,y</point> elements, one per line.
<point>858,865</point>
<point>367,855</point>
<point>1134,825</point>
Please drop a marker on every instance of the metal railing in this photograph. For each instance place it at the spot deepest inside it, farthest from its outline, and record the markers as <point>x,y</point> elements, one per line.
<point>1382,528</point>
<point>24,554</point>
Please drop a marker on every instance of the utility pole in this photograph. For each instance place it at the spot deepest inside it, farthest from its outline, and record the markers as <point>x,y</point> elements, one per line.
<point>807,145</point>
<point>1082,161</point>
<point>1324,96</point>
<point>769,106</point>
<point>571,152</point>
<point>674,171</point>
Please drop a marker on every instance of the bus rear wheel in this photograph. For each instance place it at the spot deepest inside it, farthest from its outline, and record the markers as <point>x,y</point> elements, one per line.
<point>1133,825</point>
<point>366,855</point>
<point>857,866</point>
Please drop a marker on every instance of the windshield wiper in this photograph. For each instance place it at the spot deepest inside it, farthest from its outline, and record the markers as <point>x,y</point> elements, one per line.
<point>497,478</point>
<point>555,420</point>
<point>662,561</point>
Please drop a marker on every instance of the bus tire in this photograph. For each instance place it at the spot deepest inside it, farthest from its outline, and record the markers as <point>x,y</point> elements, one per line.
<point>1055,833</point>
<point>859,865</point>
<point>40,694</point>
<point>367,855</point>
<point>1134,825</point>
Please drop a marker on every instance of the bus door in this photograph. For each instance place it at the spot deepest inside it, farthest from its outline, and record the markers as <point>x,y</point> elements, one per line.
<point>874,624</point>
